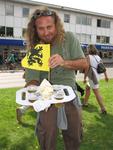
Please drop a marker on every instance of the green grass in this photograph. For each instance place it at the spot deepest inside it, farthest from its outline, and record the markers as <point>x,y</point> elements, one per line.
<point>98,129</point>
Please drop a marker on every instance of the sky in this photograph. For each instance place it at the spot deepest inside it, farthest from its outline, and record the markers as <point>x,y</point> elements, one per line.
<point>99,6</point>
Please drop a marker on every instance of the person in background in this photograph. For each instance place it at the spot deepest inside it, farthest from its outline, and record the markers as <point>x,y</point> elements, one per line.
<point>11,60</point>
<point>93,82</point>
<point>45,27</point>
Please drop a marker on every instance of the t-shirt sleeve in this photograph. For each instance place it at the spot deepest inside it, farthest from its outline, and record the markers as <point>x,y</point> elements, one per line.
<point>31,74</point>
<point>76,51</point>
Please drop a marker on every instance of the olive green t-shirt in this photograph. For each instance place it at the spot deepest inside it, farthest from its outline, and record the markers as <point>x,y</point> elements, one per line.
<point>70,49</point>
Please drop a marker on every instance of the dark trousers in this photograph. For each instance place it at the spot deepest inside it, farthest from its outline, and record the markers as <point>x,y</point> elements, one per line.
<point>47,128</point>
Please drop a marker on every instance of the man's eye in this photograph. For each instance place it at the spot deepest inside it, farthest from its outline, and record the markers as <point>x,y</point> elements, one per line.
<point>40,28</point>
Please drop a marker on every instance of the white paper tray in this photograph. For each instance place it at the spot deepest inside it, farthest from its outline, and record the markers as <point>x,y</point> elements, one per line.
<point>40,104</point>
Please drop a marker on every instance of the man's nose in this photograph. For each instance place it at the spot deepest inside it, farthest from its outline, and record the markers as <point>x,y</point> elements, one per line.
<point>46,32</point>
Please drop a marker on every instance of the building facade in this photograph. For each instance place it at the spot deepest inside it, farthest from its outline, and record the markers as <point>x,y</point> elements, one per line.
<point>89,27</point>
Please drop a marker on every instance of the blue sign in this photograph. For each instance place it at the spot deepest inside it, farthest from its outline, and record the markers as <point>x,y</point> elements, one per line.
<point>12,42</point>
<point>105,47</point>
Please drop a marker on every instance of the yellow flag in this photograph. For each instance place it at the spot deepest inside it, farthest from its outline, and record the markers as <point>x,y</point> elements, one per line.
<point>38,58</point>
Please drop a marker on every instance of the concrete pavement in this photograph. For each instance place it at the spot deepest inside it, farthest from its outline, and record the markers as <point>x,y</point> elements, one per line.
<point>10,79</point>
<point>109,73</point>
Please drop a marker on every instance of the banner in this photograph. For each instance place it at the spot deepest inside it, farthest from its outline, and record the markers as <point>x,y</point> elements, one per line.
<point>37,58</point>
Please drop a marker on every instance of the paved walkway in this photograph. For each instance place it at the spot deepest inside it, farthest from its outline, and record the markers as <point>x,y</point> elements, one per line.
<point>109,73</point>
<point>11,79</point>
<point>15,78</point>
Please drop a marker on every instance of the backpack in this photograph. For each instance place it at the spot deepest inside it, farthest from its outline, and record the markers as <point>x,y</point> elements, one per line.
<point>100,67</point>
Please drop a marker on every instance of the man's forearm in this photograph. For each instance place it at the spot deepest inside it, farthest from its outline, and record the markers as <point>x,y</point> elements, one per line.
<point>75,64</point>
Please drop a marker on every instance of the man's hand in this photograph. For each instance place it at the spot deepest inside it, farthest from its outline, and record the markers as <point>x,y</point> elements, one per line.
<point>32,82</point>
<point>55,60</point>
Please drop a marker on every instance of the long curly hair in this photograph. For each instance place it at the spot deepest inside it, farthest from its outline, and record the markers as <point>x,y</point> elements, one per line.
<point>31,33</point>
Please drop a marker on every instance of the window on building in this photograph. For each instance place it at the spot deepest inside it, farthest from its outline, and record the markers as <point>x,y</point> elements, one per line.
<point>83,19</point>
<point>98,23</point>
<point>25,12</point>
<point>107,39</point>
<point>78,20</point>
<point>110,54</point>
<point>103,23</point>
<point>103,39</point>
<point>9,31</point>
<point>67,18</point>
<point>84,38</point>
<point>105,55</point>
<point>9,10</point>
<point>2,31</point>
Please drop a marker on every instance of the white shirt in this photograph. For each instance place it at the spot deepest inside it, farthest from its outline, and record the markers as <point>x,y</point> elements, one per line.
<point>94,60</point>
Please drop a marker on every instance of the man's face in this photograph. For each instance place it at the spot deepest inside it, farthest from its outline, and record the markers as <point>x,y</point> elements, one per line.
<point>46,29</point>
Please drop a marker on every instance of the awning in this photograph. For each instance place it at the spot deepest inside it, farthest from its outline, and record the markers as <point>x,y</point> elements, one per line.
<point>104,47</point>
<point>12,42</point>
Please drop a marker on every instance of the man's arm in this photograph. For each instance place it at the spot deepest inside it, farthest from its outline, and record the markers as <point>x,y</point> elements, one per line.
<point>75,64</point>
<point>57,60</point>
<point>86,73</point>
<point>106,77</point>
